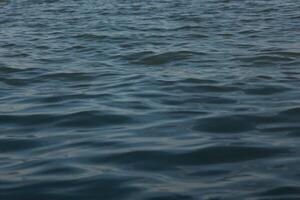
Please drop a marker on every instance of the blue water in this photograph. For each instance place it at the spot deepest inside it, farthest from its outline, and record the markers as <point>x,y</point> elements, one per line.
<point>149,100</point>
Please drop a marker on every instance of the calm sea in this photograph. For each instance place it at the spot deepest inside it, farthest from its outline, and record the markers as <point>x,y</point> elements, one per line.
<point>149,100</point>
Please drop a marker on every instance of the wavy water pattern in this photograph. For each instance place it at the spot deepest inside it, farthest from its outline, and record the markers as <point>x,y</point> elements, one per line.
<point>152,100</point>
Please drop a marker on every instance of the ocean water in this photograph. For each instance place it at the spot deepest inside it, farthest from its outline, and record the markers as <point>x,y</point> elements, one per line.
<point>149,100</point>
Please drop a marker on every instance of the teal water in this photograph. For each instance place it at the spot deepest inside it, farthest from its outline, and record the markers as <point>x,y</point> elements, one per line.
<point>149,100</point>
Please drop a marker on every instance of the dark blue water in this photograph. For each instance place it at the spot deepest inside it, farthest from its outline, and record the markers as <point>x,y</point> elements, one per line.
<point>149,100</point>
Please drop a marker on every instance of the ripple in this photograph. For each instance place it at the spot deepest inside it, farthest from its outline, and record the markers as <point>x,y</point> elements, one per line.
<point>171,197</point>
<point>93,119</point>
<point>224,124</point>
<point>79,76</point>
<point>168,57</point>
<point>211,155</point>
<point>149,99</point>
<point>83,189</point>
<point>78,119</point>
<point>283,191</point>
<point>291,111</point>
<point>19,145</point>
<point>62,98</point>
<point>91,36</point>
<point>266,90</point>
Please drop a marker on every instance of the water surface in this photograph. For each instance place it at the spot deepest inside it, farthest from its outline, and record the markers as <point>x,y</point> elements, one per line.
<point>152,100</point>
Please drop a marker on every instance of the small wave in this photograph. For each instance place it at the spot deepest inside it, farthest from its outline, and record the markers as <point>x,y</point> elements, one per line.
<point>264,58</point>
<point>286,54</point>
<point>93,119</point>
<point>266,90</point>
<point>207,88</point>
<point>91,36</point>
<point>291,191</point>
<point>295,111</point>
<point>69,97</point>
<point>203,156</point>
<point>78,119</point>
<point>165,58</point>
<point>68,76</point>
<point>224,124</point>
<point>171,197</point>
<point>9,70</point>
<point>17,145</point>
<point>16,81</point>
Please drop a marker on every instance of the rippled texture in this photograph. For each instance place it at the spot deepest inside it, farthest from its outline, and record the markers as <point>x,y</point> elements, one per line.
<point>152,100</point>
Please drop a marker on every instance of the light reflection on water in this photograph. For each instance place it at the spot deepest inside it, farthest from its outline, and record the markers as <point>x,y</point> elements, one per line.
<point>149,100</point>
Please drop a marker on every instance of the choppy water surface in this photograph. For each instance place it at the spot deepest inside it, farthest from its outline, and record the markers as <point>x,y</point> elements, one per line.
<point>152,100</point>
